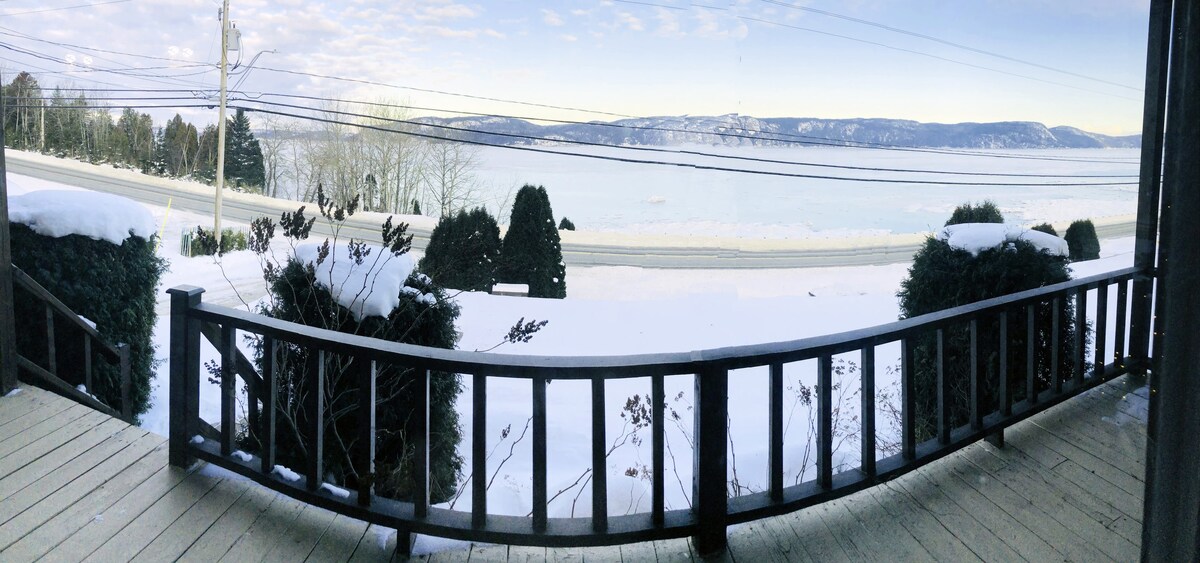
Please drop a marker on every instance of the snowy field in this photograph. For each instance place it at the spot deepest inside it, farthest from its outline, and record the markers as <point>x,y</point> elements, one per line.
<point>614,310</point>
<point>601,195</point>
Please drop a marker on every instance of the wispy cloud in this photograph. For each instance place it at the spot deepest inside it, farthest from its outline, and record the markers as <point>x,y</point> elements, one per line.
<point>550,17</point>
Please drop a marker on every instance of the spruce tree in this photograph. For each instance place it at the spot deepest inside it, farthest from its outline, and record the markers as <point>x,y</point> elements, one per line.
<point>532,253</point>
<point>1082,241</point>
<point>243,155</point>
<point>566,225</point>
<point>463,251</point>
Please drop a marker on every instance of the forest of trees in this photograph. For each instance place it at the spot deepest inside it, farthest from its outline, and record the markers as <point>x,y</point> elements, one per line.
<point>360,151</point>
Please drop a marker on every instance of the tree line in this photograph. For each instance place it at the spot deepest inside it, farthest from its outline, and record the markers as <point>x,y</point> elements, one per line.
<point>73,126</point>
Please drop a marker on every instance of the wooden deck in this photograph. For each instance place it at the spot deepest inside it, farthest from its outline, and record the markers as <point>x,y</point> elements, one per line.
<point>76,485</point>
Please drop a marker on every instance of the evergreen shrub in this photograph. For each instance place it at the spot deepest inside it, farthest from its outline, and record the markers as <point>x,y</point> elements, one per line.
<point>532,251</point>
<point>942,277</point>
<point>205,244</point>
<point>985,212</point>
<point>463,251</point>
<point>1045,228</point>
<point>566,225</point>
<point>113,286</point>
<point>1082,240</point>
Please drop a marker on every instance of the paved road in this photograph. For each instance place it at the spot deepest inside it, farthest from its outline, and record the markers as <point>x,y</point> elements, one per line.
<point>579,249</point>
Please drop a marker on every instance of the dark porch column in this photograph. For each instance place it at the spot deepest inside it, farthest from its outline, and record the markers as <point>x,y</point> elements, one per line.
<point>1171,518</point>
<point>8,330</point>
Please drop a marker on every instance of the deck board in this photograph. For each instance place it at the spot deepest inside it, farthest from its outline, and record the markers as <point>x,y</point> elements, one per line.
<point>77,485</point>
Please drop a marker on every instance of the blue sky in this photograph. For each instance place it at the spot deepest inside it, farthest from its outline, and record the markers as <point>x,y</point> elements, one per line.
<point>753,57</point>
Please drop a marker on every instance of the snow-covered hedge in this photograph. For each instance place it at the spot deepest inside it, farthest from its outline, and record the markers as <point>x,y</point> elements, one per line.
<point>967,263</point>
<point>95,253</point>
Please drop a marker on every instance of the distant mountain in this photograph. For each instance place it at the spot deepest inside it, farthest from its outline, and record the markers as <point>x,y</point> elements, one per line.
<point>737,130</point>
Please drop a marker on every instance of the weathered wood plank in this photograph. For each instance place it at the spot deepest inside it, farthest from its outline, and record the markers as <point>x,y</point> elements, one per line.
<point>607,553</point>
<point>59,489</point>
<point>898,508</point>
<point>262,535</point>
<point>1055,502</point>
<point>35,468</point>
<point>94,504</point>
<point>45,436</point>
<point>526,554</point>
<point>302,535</point>
<point>108,523</point>
<point>25,403</point>
<point>60,463</point>
<point>564,554</point>
<point>882,531</point>
<point>194,522</point>
<point>339,540</point>
<point>377,544</point>
<point>671,551</point>
<point>752,542</point>
<point>846,531</point>
<point>811,532</point>
<point>965,507</point>
<point>1044,444</point>
<point>141,531</point>
<point>217,540</point>
<point>1044,525</point>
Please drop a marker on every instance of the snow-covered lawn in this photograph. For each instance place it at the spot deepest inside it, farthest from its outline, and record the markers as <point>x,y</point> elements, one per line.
<point>614,310</point>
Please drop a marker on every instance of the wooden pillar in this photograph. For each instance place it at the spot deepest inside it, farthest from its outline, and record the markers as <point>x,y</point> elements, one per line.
<point>1171,515</point>
<point>8,329</point>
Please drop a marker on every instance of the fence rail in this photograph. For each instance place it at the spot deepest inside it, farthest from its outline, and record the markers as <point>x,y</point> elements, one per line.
<point>49,375</point>
<point>987,323</point>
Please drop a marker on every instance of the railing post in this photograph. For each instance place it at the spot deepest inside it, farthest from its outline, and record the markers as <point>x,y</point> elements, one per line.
<point>126,401</point>
<point>315,407</point>
<point>709,462</point>
<point>185,372</point>
<point>51,351</point>
<point>228,388</point>
<point>421,463</point>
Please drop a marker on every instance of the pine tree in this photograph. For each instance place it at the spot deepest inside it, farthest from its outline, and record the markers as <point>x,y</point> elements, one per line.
<point>566,225</point>
<point>243,155</point>
<point>532,252</point>
<point>463,251</point>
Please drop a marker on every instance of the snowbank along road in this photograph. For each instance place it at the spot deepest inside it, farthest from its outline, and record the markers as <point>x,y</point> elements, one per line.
<point>579,248</point>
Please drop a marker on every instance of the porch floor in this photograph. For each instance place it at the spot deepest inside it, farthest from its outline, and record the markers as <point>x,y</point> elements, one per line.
<point>77,485</point>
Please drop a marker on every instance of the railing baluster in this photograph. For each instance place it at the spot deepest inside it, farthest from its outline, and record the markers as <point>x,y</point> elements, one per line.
<point>87,362</point>
<point>421,462</point>
<point>599,458</point>
<point>866,411</point>
<point>976,379</point>
<point>51,353</point>
<point>825,421</point>
<point>185,372</point>
<point>366,439</point>
<point>126,382</point>
<point>1055,342</point>
<point>539,454</point>
<point>228,388</point>
<point>269,393</point>
<point>316,426</point>
<point>1005,397</point>
<point>710,502</point>
<point>1122,322</point>
<point>658,445</point>
<point>943,391</point>
<point>775,432</point>
<point>1031,393</point>
<point>479,476</point>
<point>1101,356</point>
<point>1079,361</point>
<point>908,399</point>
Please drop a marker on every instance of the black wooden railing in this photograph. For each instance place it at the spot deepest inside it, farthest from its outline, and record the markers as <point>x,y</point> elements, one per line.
<point>712,510</point>
<point>48,376</point>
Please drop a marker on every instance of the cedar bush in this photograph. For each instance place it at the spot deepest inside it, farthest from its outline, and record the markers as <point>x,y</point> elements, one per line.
<point>985,212</point>
<point>566,225</point>
<point>1045,228</point>
<point>205,244</point>
<point>113,286</point>
<point>463,251</point>
<point>295,296</point>
<point>532,251</point>
<point>1082,240</point>
<point>942,277</point>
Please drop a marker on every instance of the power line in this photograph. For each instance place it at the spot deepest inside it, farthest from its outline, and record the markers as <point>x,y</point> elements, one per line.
<point>948,43</point>
<point>937,57</point>
<point>678,164</point>
<point>64,8</point>
<point>156,78</point>
<point>687,152</point>
<point>776,136</point>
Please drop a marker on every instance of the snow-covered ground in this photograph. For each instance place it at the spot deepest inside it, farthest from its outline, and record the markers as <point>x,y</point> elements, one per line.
<point>614,310</point>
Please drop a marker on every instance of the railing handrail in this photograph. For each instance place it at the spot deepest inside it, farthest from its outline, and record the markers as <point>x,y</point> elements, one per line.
<point>1053,382</point>
<point>31,285</point>
<point>632,365</point>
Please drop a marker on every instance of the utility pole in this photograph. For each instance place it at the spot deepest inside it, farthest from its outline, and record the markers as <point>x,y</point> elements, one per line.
<point>221,121</point>
<point>42,127</point>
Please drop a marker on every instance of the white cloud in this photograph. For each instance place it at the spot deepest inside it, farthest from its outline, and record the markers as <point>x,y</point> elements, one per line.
<point>568,38</point>
<point>550,17</point>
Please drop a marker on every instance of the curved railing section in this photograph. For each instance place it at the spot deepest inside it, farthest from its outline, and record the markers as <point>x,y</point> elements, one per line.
<point>712,510</point>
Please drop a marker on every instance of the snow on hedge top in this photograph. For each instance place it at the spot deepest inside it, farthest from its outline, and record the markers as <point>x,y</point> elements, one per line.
<point>370,289</point>
<point>974,237</point>
<point>98,216</point>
